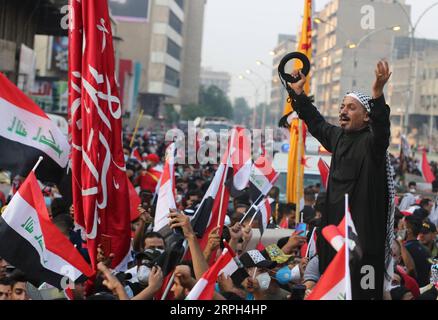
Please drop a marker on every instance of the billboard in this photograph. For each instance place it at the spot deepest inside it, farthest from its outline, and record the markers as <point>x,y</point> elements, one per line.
<point>130,10</point>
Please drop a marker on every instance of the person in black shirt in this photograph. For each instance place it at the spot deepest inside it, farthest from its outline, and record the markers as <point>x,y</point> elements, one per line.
<point>419,253</point>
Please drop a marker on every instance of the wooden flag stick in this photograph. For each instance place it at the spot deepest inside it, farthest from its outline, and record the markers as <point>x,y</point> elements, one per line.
<point>140,116</point>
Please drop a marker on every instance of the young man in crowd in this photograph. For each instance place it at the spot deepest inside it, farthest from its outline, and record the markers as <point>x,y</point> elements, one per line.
<point>419,253</point>
<point>428,238</point>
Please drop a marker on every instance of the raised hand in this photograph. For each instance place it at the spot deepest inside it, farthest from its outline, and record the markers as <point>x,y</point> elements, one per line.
<point>298,87</point>
<point>382,76</point>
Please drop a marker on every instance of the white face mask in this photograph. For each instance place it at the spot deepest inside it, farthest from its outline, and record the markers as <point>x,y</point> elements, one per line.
<point>143,274</point>
<point>264,280</point>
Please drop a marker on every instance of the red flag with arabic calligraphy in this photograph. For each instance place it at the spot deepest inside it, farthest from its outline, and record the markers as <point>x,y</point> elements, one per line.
<point>99,178</point>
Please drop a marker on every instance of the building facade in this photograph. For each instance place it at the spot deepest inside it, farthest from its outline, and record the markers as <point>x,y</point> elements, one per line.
<point>165,37</point>
<point>423,106</point>
<point>220,79</point>
<point>286,43</point>
<point>351,36</point>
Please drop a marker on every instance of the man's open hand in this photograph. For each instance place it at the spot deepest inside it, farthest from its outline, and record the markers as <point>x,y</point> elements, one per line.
<point>382,76</point>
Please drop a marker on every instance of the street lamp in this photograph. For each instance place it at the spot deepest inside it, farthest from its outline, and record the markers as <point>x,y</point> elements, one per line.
<point>413,28</point>
<point>356,46</point>
<point>254,114</point>
<point>266,84</point>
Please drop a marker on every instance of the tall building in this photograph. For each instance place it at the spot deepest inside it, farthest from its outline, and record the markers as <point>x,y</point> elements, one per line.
<point>286,43</point>
<point>423,107</point>
<point>165,36</point>
<point>220,79</point>
<point>351,36</point>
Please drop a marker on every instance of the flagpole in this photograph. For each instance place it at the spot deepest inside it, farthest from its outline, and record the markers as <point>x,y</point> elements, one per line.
<point>347,253</point>
<point>255,203</point>
<point>298,182</point>
<point>226,175</point>
<point>172,278</point>
<point>140,116</point>
<point>308,247</point>
<point>38,163</point>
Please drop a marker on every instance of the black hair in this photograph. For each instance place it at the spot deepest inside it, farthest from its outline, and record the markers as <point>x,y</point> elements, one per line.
<point>64,222</point>
<point>320,202</point>
<point>154,234</point>
<point>189,263</point>
<point>6,281</point>
<point>17,276</point>
<point>415,224</point>
<point>412,183</point>
<point>282,242</point>
<point>59,206</point>
<point>424,202</point>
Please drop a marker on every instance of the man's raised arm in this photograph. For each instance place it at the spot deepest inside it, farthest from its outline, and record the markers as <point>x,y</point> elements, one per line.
<point>323,131</point>
<point>379,115</point>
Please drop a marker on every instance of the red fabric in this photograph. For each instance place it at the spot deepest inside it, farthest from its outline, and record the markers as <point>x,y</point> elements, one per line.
<point>2,199</point>
<point>410,282</point>
<point>328,285</point>
<point>425,169</point>
<point>135,154</point>
<point>99,179</point>
<point>284,224</point>
<point>324,170</point>
<point>149,179</point>
<point>152,157</point>
<point>134,202</point>
<point>260,246</point>
<point>9,92</point>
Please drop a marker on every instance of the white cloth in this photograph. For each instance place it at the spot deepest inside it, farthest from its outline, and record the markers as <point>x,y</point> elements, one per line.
<point>407,201</point>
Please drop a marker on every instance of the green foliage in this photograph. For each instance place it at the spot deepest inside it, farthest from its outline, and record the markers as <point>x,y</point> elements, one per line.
<point>212,103</point>
<point>242,112</point>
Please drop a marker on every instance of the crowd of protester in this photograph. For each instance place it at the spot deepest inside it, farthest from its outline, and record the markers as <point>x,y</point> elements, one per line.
<point>281,270</point>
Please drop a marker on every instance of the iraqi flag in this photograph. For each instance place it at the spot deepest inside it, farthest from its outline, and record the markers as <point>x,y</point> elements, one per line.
<point>334,284</point>
<point>212,209</point>
<point>135,154</point>
<point>240,160</point>
<point>204,288</point>
<point>324,171</point>
<point>425,168</point>
<point>262,178</point>
<point>264,214</point>
<point>26,134</point>
<point>100,187</point>
<point>166,192</point>
<point>32,243</point>
<point>311,245</point>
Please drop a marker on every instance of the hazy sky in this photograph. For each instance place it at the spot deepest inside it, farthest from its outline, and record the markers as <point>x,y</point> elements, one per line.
<point>238,32</point>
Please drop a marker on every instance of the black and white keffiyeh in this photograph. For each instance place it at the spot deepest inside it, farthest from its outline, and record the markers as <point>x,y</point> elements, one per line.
<point>364,99</point>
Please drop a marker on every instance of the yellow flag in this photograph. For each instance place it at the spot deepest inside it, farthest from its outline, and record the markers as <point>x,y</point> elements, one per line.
<point>295,173</point>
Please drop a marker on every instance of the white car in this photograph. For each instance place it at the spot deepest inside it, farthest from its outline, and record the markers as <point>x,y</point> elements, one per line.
<point>314,152</point>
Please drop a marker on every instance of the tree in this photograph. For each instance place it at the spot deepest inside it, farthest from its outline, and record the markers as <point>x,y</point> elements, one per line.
<point>212,103</point>
<point>242,112</point>
<point>170,114</point>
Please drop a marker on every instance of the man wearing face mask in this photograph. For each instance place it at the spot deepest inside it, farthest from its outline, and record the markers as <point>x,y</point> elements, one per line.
<point>259,280</point>
<point>141,272</point>
<point>360,167</point>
